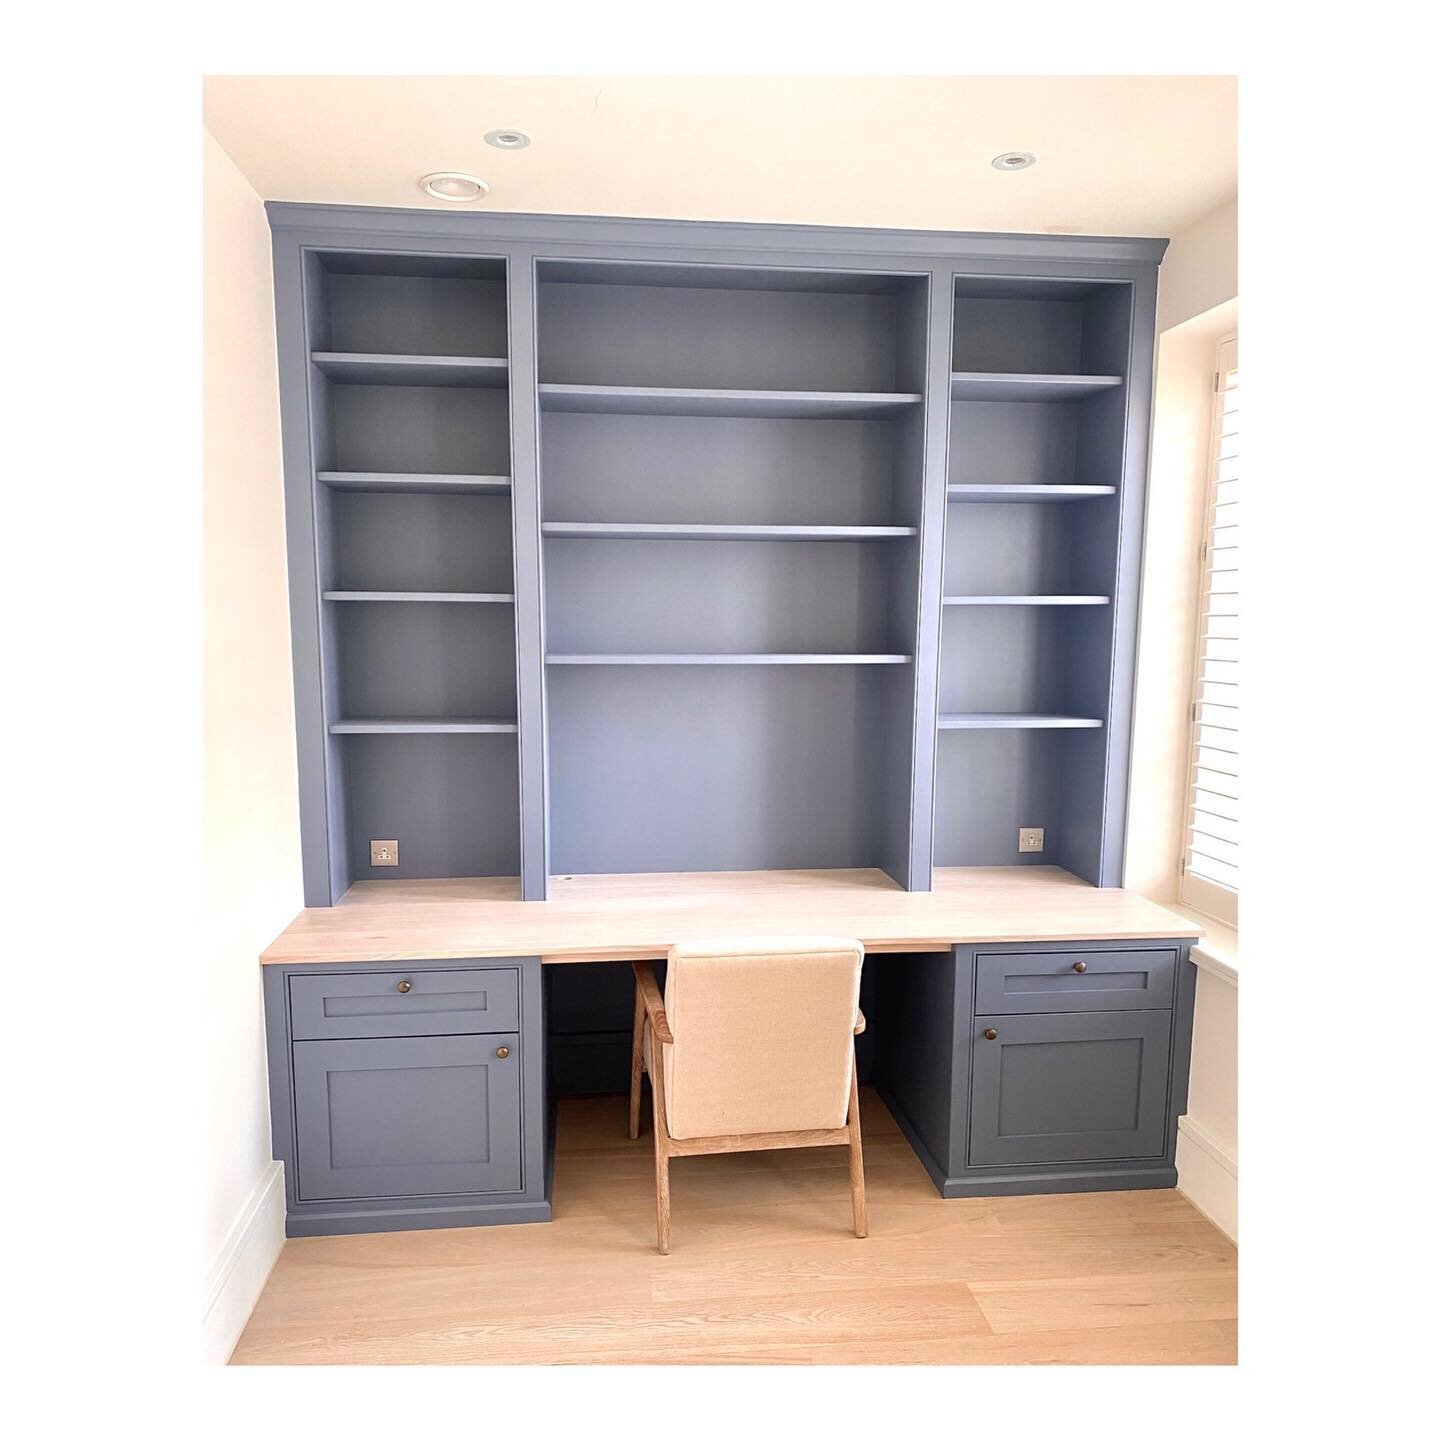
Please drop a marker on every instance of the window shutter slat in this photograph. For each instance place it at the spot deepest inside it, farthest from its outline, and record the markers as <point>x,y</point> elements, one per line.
<point>1210,864</point>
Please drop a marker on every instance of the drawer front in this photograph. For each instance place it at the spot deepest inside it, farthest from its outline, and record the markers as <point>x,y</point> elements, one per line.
<point>1055,1089</point>
<point>377,1119</point>
<point>402,1002</point>
<point>1046,982</point>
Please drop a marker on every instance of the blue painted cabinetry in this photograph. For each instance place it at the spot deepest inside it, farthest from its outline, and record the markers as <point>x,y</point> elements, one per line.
<point>623,546</point>
<point>1016,1071</point>
<point>408,1097</point>
<point>1051,1089</point>
<point>432,1115</point>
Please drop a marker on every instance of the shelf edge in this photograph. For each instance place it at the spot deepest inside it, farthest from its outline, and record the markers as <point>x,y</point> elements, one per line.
<point>423,597</point>
<point>711,658</point>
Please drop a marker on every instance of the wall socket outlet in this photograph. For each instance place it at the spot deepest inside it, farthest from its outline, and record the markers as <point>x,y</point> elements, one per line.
<point>1031,840</point>
<point>385,852</point>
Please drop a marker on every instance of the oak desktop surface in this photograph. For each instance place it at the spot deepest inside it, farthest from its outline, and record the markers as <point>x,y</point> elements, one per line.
<point>625,917</point>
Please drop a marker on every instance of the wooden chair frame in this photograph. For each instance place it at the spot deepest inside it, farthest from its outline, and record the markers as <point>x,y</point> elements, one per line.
<point>650,1010</point>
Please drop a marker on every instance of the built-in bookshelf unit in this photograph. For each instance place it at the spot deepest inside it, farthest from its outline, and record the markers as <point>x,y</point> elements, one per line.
<point>631,546</point>
<point>731,483</point>
<point>408,390</point>
<point>1036,467</point>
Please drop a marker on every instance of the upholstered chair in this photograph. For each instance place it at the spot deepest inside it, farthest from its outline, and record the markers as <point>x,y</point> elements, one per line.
<point>751,1047</point>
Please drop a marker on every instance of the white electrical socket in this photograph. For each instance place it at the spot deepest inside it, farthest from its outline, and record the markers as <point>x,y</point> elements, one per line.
<point>1032,839</point>
<point>384,852</point>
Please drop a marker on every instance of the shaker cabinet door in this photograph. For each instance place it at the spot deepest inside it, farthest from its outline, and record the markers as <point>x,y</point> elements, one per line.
<point>1053,1089</point>
<point>433,1115</point>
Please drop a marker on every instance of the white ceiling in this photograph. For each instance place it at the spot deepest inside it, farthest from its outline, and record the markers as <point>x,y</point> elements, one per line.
<point>1118,155</point>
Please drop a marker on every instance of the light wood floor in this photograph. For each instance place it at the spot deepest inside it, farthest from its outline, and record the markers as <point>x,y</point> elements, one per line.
<point>765,1270</point>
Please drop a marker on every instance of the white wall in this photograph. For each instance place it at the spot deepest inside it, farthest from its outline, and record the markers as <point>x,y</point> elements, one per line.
<point>251,818</point>
<point>1174,528</point>
<point>1197,306</point>
<point>1208,1153</point>
<point>1120,154</point>
<point>1201,268</point>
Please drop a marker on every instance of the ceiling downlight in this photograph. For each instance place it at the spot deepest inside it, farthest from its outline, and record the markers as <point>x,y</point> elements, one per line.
<point>454,185</point>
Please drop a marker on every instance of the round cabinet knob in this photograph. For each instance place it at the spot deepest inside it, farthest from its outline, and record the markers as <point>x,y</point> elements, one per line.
<point>503,1053</point>
<point>990,1034</point>
<point>1081,967</point>
<point>403,987</point>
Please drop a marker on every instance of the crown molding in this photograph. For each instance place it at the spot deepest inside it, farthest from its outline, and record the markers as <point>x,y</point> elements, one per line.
<point>395,223</point>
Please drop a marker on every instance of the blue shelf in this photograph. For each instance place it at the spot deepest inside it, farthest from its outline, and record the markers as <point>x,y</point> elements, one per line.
<point>714,659</point>
<point>779,404</point>
<point>561,529</point>
<point>981,494</point>
<point>994,721</point>
<point>466,371</point>
<point>979,385</point>
<point>384,483</point>
<point>423,597</point>
<point>467,725</point>
<point>1027,600</point>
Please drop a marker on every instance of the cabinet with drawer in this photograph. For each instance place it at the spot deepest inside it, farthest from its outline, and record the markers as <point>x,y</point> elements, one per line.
<point>1014,1069</point>
<point>408,1095</point>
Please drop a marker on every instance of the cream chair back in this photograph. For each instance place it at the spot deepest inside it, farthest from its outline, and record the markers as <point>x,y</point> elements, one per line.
<point>764,1035</point>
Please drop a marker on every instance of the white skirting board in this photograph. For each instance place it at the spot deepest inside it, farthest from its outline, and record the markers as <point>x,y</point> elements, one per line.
<point>1209,1176</point>
<point>240,1270</point>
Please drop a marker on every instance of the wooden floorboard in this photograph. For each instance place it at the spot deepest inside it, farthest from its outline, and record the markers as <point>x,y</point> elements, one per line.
<point>765,1270</point>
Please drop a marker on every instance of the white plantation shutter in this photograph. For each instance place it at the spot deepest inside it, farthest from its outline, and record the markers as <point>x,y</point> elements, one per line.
<point>1210,865</point>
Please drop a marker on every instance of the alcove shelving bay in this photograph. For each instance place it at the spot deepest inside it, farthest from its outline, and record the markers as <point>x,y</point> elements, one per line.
<point>1035,462</point>
<point>730,487</point>
<point>625,547</point>
<point>407,385</point>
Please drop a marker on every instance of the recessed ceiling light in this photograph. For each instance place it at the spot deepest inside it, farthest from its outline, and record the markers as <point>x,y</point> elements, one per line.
<point>1014,160</point>
<point>454,185</point>
<point>507,139</point>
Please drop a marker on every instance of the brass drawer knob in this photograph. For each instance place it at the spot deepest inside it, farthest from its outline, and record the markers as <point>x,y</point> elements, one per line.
<point>403,987</point>
<point>1081,967</point>
<point>503,1053</point>
<point>990,1034</point>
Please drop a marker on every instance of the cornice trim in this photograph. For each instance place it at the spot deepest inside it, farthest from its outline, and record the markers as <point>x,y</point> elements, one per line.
<point>395,222</point>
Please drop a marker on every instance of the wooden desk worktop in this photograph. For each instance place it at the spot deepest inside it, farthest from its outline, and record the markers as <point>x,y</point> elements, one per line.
<point>627,917</point>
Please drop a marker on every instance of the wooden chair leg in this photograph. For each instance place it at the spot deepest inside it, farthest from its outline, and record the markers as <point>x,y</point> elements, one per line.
<point>662,1166</point>
<point>662,1202</point>
<point>857,1161</point>
<point>637,1063</point>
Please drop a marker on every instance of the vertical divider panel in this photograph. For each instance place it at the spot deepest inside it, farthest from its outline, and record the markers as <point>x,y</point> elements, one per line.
<point>529,577</point>
<point>1139,390</point>
<point>324,863</point>
<point>931,544</point>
